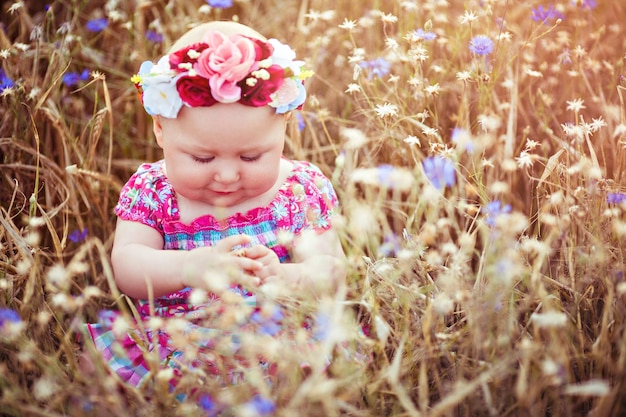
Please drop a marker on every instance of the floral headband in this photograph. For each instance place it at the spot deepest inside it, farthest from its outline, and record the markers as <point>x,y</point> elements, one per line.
<point>221,69</point>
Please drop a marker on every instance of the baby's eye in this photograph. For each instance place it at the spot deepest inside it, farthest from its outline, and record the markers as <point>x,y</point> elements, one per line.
<point>203,160</point>
<point>250,158</point>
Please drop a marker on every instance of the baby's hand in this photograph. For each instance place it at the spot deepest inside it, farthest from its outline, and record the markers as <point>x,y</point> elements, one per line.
<point>215,268</point>
<point>271,268</point>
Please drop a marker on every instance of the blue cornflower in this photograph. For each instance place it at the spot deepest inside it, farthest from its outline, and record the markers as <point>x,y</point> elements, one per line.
<point>422,34</point>
<point>392,244</point>
<point>154,36</point>
<point>270,326</point>
<point>5,81</point>
<point>440,171</point>
<point>481,45</point>
<point>78,235</point>
<point>97,25</point>
<point>207,404</point>
<point>301,122</point>
<point>378,67</point>
<point>72,79</point>
<point>463,139</point>
<point>322,326</point>
<point>220,4</point>
<point>615,198</point>
<point>494,209</point>
<point>8,315</point>
<point>543,14</point>
<point>261,406</point>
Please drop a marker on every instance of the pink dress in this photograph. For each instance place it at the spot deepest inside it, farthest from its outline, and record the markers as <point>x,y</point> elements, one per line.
<point>306,200</point>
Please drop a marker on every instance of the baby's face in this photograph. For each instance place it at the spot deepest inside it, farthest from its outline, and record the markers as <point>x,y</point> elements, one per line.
<point>223,155</point>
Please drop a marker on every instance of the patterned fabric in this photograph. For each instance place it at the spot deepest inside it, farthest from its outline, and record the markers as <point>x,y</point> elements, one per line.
<point>305,200</point>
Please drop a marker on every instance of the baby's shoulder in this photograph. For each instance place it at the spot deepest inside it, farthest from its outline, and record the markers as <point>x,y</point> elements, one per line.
<point>308,179</point>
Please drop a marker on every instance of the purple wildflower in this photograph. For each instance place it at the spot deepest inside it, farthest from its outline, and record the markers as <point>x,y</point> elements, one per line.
<point>269,326</point>
<point>72,79</point>
<point>440,171</point>
<point>322,326</point>
<point>494,209</point>
<point>261,406</point>
<point>545,15</point>
<point>220,4</point>
<point>301,122</point>
<point>8,315</point>
<point>378,67</point>
<point>154,36</point>
<point>5,81</point>
<point>78,235</point>
<point>481,45</point>
<point>615,198</point>
<point>422,34</point>
<point>97,25</point>
<point>207,404</point>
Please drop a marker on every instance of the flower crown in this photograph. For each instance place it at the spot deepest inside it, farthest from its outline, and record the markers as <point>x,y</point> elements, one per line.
<point>222,69</point>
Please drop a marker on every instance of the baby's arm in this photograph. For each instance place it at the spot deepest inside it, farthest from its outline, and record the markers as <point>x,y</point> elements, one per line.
<point>140,262</point>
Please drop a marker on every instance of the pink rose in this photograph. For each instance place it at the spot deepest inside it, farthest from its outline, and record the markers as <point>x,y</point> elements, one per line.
<point>259,94</point>
<point>195,91</point>
<point>225,62</point>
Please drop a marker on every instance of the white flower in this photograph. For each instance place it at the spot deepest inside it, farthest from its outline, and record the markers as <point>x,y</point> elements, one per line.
<point>468,17</point>
<point>386,110</point>
<point>348,24</point>
<point>160,96</point>
<point>284,56</point>
<point>576,104</point>
<point>353,88</point>
<point>412,140</point>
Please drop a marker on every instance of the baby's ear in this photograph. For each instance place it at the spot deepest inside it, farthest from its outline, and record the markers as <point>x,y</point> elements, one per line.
<point>157,128</point>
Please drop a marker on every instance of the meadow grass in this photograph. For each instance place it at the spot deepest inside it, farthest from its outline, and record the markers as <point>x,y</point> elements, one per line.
<point>478,151</point>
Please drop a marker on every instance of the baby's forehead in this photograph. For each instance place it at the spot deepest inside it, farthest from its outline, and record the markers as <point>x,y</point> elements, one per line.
<point>227,28</point>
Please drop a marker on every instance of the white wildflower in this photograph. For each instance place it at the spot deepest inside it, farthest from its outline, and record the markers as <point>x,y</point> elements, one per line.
<point>489,123</point>
<point>4,53</point>
<point>353,88</point>
<point>355,138</point>
<point>388,18</point>
<point>531,144</point>
<point>524,160</point>
<point>433,90</point>
<point>596,124</point>
<point>576,104</point>
<point>412,140</point>
<point>468,17</point>
<point>348,24</point>
<point>463,75</point>
<point>430,131</point>
<point>386,110</point>
<point>391,44</point>
<point>21,46</point>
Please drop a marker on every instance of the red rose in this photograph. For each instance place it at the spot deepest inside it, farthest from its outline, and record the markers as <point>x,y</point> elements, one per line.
<point>195,91</point>
<point>259,94</point>
<point>181,56</point>
<point>262,50</point>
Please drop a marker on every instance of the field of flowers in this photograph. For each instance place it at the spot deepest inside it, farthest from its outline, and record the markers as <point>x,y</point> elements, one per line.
<point>478,150</point>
